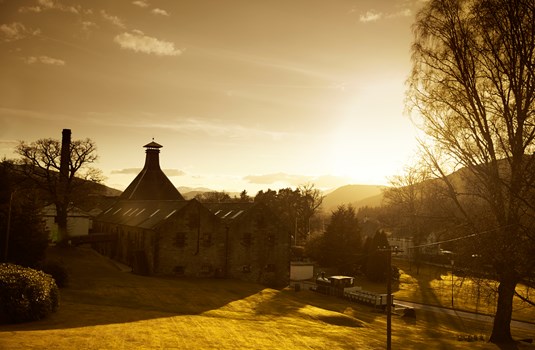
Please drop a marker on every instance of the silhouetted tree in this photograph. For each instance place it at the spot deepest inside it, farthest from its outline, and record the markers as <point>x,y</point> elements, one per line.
<point>213,197</point>
<point>340,246</point>
<point>24,239</point>
<point>472,90</point>
<point>376,263</point>
<point>295,208</point>
<point>41,163</point>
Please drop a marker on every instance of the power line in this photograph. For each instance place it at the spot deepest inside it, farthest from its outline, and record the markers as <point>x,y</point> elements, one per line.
<point>460,238</point>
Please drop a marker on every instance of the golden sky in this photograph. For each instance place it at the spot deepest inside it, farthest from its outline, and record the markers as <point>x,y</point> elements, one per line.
<point>242,94</point>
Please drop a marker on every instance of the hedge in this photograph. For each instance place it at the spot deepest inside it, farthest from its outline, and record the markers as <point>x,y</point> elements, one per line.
<point>26,294</point>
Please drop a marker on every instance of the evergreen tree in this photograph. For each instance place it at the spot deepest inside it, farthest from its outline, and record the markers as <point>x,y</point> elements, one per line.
<point>342,242</point>
<point>376,262</point>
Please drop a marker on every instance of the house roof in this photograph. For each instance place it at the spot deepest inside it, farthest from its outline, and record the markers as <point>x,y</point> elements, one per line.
<point>151,183</point>
<point>142,213</point>
<point>229,211</point>
<point>50,210</point>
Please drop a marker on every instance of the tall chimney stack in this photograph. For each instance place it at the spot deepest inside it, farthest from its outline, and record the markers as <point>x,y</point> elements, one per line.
<point>65,154</point>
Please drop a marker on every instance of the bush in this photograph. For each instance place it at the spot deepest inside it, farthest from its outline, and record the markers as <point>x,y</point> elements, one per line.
<point>26,294</point>
<point>57,271</point>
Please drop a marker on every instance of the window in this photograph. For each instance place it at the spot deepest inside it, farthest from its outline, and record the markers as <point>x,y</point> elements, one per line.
<point>246,268</point>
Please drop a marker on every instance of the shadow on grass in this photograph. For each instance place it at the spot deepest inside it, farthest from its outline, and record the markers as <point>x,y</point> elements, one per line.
<point>98,293</point>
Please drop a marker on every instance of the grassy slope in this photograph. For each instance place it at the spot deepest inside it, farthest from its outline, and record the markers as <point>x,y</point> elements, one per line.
<point>104,308</point>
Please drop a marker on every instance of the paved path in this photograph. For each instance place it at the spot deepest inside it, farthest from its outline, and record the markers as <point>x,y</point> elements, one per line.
<point>463,314</point>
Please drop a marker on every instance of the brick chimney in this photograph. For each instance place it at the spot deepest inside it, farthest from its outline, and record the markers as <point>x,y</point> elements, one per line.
<point>65,154</point>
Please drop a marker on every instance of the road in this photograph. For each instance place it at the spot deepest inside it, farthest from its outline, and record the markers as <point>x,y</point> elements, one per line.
<point>463,314</point>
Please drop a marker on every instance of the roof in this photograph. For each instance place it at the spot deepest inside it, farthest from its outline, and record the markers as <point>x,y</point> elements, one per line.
<point>50,210</point>
<point>151,183</point>
<point>230,210</point>
<point>142,213</point>
<point>153,145</point>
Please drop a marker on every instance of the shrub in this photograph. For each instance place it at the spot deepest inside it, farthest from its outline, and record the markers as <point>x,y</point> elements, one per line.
<point>57,271</point>
<point>26,294</point>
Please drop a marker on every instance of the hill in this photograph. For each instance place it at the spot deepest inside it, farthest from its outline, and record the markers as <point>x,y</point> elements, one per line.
<point>356,195</point>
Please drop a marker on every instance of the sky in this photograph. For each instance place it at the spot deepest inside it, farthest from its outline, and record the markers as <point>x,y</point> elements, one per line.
<point>241,94</point>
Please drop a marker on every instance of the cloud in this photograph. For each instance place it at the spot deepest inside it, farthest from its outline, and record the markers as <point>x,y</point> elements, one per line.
<point>140,3</point>
<point>127,171</point>
<point>320,182</point>
<point>87,25</point>
<point>158,11</point>
<point>173,172</point>
<point>43,5</point>
<point>44,60</point>
<point>16,31</point>
<point>112,19</point>
<point>139,42</point>
<point>135,171</point>
<point>402,13</point>
<point>371,16</point>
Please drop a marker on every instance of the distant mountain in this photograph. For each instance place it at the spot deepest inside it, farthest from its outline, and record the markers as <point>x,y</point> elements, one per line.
<point>356,195</point>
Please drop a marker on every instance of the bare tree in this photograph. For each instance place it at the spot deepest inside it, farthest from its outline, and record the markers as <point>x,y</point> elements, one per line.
<point>472,90</point>
<point>41,162</point>
<point>310,202</point>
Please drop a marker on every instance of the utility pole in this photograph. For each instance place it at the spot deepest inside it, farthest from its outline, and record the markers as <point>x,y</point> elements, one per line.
<point>388,251</point>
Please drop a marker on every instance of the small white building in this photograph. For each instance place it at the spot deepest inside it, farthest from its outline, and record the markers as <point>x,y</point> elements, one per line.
<point>79,222</point>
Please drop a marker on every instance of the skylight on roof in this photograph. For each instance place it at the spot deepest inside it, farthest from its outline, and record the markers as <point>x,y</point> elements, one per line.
<point>133,211</point>
<point>126,212</point>
<point>141,211</point>
<point>217,212</point>
<point>227,214</point>
<point>118,210</point>
<point>107,211</point>
<point>236,215</point>
<point>171,213</point>
<point>157,210</point>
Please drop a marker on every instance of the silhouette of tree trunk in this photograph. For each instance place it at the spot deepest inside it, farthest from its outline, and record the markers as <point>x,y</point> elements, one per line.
<point>472,91</point>
<point>41,162</point>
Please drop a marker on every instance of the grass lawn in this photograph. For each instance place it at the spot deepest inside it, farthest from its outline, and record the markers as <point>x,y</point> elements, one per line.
<point>104,308</point>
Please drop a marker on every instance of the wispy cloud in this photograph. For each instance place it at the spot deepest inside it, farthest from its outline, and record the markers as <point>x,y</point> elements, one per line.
<point>161,12</point>
<point>371,16</point>
<point>173,172</point>
<point>321,182</point>
<point>127,171</point>
<point>130,171</point>
<point>214,128</point>
<point>139,42</point>
<point>44,60</point>
<point>44,5</point>
<point>140,3</point>
<point>112,19</point>
<point>88,25</point>
<point>16,31</point>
